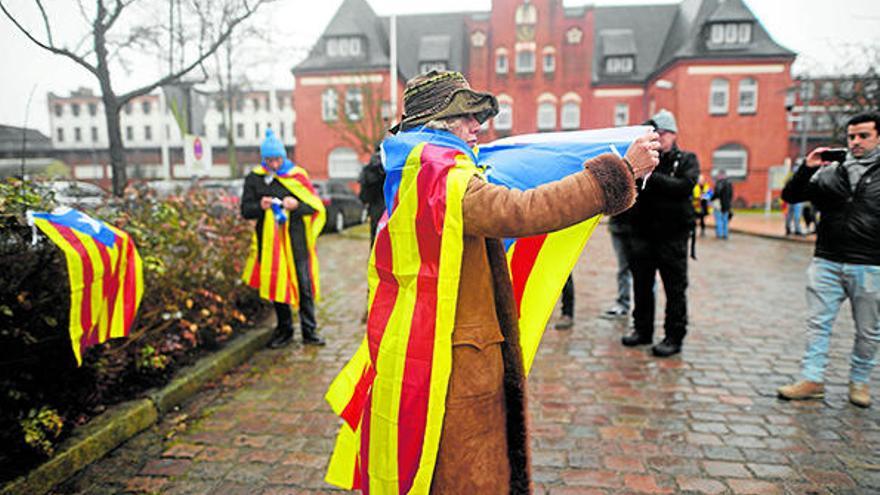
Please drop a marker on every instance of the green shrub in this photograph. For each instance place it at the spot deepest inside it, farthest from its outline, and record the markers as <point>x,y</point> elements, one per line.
<point>193,253</point>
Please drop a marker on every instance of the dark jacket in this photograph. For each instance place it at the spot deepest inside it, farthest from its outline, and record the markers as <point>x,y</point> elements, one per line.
<point>724,193</point>
<point>255,188</point>
<point>850,228</point>
<point>664,207</point>
<point>372,182</point>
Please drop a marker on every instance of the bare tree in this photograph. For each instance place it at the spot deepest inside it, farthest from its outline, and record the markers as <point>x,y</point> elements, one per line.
<point>364,118</point>
<point>205,23</point>
<point>855,89</point>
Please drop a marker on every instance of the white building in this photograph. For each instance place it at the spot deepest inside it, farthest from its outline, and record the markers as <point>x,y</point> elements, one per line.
<point>79,131</point>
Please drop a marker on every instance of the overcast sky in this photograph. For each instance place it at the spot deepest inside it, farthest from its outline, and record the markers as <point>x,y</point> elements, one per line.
<point>819,30</point>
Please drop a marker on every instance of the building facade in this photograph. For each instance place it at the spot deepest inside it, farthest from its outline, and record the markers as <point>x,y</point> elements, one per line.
<point>79,132</point>
<point>556,68</point>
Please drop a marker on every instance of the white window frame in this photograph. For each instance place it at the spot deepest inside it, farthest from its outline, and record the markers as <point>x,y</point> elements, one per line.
<point>621,114</point>
<point>570,115</point>
<point>548,62</point>
<point>719,87</point>
<point>523,66</point>
<point>354,103</point>
<point>342,163</point>
<point>426,67</point>
<point>504,120</point>
<point>737,153</point>
<point>620,65</point>
<point>502,63</point>
<point>546,116</point>
<point>330,105</point>
<point>748,87</point>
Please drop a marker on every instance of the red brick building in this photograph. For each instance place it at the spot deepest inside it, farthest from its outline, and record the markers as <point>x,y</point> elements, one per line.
<point>553,68</point>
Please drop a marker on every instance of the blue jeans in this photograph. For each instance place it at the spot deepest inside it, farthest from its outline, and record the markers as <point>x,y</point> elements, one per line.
<point>829,283</point>
<point>722,219</point>
<point>793,219</point>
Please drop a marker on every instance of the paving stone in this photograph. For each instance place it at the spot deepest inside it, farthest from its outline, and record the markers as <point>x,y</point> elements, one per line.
<point>700,485</point>
<point>726,469</point>
<point>754,487</point>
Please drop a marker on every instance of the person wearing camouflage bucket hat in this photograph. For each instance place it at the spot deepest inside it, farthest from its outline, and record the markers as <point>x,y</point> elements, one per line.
<point>438,95</point>
<point>443,325</point>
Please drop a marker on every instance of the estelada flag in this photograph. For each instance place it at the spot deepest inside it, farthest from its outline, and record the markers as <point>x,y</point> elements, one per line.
<point>391,395</point>
<point>270,267</point>
<point>104,271</point>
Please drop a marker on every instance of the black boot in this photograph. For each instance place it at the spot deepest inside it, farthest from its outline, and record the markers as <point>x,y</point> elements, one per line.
<point>281,337</point>
<point>311,337</point>
<point>666,348</point>
<point>636,338</point>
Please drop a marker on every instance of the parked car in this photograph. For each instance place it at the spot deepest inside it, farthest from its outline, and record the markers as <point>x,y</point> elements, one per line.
<point>343,206</point>
<point>228,191</point>
<point>77,194</point>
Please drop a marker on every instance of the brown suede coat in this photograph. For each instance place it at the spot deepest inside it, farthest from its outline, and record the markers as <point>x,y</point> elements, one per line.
<point>484,443</point>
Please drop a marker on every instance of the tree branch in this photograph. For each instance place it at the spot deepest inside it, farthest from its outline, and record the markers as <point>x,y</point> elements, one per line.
<point>45,22</point>
<point>50,48</point>
<point>202,56</point>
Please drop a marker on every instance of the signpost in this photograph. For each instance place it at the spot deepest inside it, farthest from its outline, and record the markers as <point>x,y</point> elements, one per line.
<point>776,177</point>
<point>197,156</point>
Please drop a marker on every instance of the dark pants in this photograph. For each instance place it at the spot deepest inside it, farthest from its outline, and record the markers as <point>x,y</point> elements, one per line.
<point>668,256</point>
<point>568,297</point>
<point>306,303</point>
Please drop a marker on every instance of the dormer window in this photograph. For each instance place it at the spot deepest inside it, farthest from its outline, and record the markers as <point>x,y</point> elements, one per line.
<point>434,53</point>
<point>730,34</point>
<point>426,67</point>
<point>620,65</point>
<point>345,47</point>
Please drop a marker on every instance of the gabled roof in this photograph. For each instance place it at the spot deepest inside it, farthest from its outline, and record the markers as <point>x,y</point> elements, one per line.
<point>732,10</point>
<point>423,36</point>
<point>354,18</point>
<point>647,26</point>
<point>687,38</point>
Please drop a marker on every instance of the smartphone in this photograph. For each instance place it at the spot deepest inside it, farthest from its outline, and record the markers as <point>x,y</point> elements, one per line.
<point>833,155</point>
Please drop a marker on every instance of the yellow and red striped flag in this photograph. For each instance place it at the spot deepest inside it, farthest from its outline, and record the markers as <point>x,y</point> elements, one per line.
<point>391,395</point>
<point>104,271</point>
<point>270,267</point>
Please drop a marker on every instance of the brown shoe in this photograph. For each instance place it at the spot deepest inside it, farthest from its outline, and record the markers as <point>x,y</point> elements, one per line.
<point>564,323</point>
<point>802,390</point>
<point>859,394</point>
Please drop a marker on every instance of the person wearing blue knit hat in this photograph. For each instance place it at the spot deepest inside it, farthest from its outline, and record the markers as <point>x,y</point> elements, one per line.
<point>289,216</point>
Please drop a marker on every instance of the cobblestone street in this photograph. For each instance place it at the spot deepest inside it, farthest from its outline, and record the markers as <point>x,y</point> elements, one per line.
<point>604,419</point>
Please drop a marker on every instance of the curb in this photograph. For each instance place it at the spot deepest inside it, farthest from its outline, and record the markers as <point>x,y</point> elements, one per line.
<point>123,421</point>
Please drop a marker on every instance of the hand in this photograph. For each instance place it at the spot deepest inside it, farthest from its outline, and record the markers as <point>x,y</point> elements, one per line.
<point>290,203</point>
<point>266,202</point>
<point>644,154</point>
<point>814,159</point>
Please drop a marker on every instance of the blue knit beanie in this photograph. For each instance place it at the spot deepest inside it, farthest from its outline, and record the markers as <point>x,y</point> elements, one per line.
<point>272,147</point>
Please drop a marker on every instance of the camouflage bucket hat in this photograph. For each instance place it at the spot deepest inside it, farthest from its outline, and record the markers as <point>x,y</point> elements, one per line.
<point>442,94</point>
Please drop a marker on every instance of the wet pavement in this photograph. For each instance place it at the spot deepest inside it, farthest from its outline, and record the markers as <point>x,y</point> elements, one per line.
<point>604,419</point>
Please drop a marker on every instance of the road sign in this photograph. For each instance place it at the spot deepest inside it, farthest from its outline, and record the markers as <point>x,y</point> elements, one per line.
<point>197,155</point>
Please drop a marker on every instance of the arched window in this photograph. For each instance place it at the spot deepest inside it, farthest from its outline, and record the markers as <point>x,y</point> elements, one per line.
<point>733,159</point>
<point>719,96</point>
<point>343,164</point>
<point>748,96</point>
<point>546,112</point>
<point>570,115</point>
<point>549,60</point>
<point>504,120</point>
<point>329,105</point>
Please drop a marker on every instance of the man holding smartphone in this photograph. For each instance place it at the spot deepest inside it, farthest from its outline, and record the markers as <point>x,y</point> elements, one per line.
<point>846,262</point>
